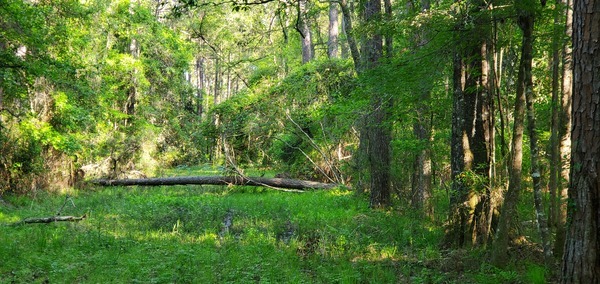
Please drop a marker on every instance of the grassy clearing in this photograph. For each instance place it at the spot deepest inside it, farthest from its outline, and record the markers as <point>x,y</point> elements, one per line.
<point>194,234</point>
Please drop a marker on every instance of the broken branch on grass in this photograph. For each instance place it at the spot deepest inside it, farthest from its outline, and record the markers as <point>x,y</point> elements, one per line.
<point>52,219</point>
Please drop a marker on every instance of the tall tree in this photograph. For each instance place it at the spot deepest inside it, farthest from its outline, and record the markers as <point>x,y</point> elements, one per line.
<point>332,44</point>
<point>581,260</point>
<point>377,127</point>
<point>564,134</point>
<point>303,27</point>
<point>525,21</point>
<point>536,177</point>
<point>472,133</point>
<point>421,185</point>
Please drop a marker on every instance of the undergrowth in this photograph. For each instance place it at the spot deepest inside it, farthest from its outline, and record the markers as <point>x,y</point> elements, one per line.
<point>218,234</point>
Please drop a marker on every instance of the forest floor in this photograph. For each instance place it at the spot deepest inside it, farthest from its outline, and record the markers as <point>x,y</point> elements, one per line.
<point>219,234</point>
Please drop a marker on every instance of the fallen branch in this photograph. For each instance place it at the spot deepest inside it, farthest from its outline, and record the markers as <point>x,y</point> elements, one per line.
<point>52,219</point>
<point>218,180</point>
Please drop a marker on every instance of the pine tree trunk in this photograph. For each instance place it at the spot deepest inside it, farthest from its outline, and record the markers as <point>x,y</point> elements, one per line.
<point>581,260</point>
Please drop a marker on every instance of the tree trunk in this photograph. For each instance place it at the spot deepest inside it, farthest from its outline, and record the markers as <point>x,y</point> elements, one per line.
<point>134,51</point>
<point>305,34</point>
<point>564,133</point>
<point>455,236</point>
<point>377,128</point>
<point>200,85</point>
<point>352,45</point>
<point>472,134</point>
<point>536,177</point>
<point>554,159</point>
<point>581,260</point>
<point>332,44</point>
<point>218,180</point>
<point>389,37</point>
<point>421,189</point>
<point>524,85</point>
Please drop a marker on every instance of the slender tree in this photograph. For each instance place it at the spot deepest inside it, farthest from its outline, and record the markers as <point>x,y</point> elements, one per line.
<point>581,260</point>
<point>332,44</point>
<point>421,185</point>
<point>305,33</point>
<point>524,85</point>
<point>564,132</point>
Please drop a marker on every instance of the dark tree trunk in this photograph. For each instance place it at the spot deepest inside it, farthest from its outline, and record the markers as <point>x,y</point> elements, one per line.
<point>377,129</point>
<point>581,260</point>
<point>554,156</point>
<point>472,134</point>
<point>455,236</point>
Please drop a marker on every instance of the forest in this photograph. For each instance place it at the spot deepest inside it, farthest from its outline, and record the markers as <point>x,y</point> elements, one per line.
<point>299,141</point>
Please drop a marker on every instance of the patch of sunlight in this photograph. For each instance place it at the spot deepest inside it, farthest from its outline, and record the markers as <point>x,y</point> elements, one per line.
<point>8,219</point>
<point>375,252</point>
<point>208,237</point>
<point>156,235</point>
<point>339,192</point>
<point>72,192</point>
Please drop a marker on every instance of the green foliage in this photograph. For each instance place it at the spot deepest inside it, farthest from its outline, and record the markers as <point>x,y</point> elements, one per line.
<point>317,237</point>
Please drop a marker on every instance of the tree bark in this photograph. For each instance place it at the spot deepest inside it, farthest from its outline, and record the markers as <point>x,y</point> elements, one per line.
<point>564,133</point>
<point>218,180</point>
<point>536,178</point>
<point>305,33</point>
<point>472,134</point>
<point>554,159</point>
<point>524,85</point>
<point>581,260</point>
<point>200,85</point>
<point>422,176</point>
<point>377,128</point>
<point>332,44</point>
<point>352,45</point>
<point>454,236</point>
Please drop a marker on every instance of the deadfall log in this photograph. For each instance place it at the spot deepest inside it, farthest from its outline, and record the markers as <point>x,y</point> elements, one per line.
<point>52,219</point>
<point>218,180</point>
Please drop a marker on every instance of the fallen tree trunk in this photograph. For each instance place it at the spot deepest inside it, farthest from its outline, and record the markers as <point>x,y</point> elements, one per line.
<point>52,219</point>
<point>218,180</point>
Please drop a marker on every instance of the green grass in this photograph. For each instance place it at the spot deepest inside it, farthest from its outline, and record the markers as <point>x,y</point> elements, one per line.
<point>176,235</point>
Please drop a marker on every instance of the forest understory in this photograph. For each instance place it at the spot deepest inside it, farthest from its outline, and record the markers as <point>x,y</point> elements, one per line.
<point>221,234</point>
<point>302,141</point>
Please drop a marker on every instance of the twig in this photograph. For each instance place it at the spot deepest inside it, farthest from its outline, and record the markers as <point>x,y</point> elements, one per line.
<point>67,198</point>
<point>241,174</point>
